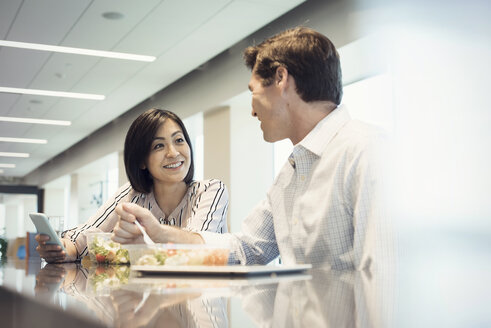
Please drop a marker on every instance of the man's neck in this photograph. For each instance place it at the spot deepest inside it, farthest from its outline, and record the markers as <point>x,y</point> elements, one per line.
<point>307,116</point>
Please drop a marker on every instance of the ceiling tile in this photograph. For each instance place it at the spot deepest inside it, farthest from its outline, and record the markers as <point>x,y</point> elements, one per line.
<point>8,12</point>
<point>96,32</point>
<point>19,66</point>
<point>7,100</point>
<point>169,23</point>
<point>46,21</point>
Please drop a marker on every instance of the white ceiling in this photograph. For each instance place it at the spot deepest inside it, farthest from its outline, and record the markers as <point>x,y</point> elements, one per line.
<point>182,34</point>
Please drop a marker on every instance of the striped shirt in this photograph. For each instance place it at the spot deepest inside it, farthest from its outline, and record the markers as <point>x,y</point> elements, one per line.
<point>203,208</point>
<point>323,207</point>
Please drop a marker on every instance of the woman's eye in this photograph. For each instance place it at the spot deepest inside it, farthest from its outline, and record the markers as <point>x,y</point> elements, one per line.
<point>180,140</point>
<point>157,146</point>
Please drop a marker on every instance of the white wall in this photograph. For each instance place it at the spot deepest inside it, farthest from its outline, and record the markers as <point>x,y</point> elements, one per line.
<point>54,204</point>
<point>251,161</point>
<point>16,209</point>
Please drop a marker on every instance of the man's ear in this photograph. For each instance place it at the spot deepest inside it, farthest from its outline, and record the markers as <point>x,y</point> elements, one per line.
<point>281,74</point>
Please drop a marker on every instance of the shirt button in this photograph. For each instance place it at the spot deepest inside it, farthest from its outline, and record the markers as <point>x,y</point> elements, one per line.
<point>295,221</point>
<point>302,177</point>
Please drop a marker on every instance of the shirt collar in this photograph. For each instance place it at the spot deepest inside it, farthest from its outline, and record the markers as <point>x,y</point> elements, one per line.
<point>320,136</point>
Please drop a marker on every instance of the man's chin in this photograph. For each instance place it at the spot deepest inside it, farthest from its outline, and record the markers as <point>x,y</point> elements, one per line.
<point>271,139</point>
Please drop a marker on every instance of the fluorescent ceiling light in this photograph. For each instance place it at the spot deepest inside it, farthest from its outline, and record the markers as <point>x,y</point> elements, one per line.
<point>8,166</point>
<point>8,154</point>
<point>77,51</point>
<point>34,121</point>
<point>53,93</point>
<point>24,140</point>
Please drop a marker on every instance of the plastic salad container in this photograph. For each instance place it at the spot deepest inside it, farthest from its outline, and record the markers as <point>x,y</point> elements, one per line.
<point>103,250</point>
<point>177,254</point>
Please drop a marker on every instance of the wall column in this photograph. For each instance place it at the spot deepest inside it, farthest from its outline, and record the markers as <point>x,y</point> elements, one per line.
<point>216,135</point>
<point>73,209</point>
<point>122,178</point>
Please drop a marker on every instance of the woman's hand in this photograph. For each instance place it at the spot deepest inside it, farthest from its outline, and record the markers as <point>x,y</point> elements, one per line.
<point>135,309</point>
<point>126,231</point>
<point>49,279</point>
<point>54,253</point>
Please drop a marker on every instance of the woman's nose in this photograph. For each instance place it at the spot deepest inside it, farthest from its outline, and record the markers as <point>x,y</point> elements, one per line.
<point>172,151</point>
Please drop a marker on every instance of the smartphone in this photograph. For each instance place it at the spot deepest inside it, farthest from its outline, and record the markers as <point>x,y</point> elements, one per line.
<point>43,226</point>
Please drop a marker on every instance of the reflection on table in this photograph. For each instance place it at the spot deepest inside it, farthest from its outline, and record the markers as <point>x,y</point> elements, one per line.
<point>115,296</point>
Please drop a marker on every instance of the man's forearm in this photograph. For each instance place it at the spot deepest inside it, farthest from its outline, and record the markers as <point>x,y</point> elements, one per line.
<point>178,236</point>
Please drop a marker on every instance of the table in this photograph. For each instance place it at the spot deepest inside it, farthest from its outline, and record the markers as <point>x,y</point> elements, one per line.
<point>33,293</point>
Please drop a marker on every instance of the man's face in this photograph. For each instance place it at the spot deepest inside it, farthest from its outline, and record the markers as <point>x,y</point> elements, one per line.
<point>269,107</point>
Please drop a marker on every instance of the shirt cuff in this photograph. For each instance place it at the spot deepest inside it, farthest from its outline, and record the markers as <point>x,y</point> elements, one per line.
<point>215,239</point>
<point>225,240</point>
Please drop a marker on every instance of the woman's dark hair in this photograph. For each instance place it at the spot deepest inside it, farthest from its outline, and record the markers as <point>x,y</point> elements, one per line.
<point>138,143</point>
<point>309,56</point>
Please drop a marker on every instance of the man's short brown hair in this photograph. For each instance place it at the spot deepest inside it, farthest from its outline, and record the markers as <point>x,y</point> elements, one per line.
<point>309,56</point>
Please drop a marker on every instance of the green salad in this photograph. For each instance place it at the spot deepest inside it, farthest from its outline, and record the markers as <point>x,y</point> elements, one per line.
<point>107,251</point>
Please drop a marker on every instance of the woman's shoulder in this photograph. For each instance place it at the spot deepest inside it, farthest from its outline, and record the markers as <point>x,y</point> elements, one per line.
<point>208,186</point>
<point>127,192</point>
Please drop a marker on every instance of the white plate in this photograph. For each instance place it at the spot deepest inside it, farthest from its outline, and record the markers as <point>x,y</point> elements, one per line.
<point>209,284</point>
<point>222,270</point>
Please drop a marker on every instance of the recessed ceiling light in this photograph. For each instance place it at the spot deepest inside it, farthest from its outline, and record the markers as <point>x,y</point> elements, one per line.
<point>8,154</point>
<point>34,121</point>
<point>77,51</point>
<point>24,140</point>
<point>114,15</point>
<point>53,93</point>
<point>7,166</point>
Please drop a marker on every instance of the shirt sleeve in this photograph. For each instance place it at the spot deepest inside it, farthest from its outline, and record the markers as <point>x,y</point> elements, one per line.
<point>364,191</point>
<point>255,244</point>
<point>104,220</point>
<point>209,208</point>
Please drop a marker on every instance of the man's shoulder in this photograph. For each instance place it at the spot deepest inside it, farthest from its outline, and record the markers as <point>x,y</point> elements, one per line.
<point>358,137</point>
<point>360,133</point>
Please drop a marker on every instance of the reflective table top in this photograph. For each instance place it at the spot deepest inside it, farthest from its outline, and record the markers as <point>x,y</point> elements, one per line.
<point>116,296</point>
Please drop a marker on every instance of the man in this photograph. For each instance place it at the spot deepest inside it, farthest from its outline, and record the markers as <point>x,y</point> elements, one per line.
<point>321,209</point>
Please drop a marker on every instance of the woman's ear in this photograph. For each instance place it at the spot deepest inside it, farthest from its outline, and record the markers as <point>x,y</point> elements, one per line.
<point>143,166</point>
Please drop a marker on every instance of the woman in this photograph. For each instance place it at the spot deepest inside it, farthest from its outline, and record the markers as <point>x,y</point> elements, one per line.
<point>159,165</point>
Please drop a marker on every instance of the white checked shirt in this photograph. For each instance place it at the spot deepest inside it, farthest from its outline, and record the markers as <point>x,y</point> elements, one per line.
<point>321,209</point>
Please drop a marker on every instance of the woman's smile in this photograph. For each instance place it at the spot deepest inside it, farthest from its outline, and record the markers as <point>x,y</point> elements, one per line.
<point>174,165</point>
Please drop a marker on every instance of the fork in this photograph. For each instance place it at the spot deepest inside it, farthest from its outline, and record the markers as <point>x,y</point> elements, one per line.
<point>146,237</point>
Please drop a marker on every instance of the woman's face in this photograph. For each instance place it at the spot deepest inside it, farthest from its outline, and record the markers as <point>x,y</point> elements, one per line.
<point>170,156</point>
